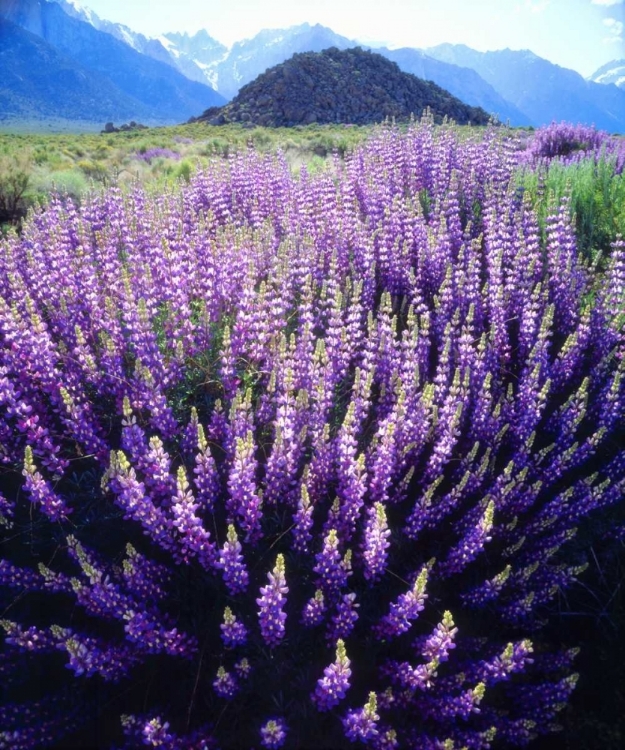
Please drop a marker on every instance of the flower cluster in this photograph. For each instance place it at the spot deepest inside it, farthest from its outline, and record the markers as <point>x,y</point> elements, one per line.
<point>385,382</point>
<point>566,140</point>
<point>331,688</point>
<point>271,603</point>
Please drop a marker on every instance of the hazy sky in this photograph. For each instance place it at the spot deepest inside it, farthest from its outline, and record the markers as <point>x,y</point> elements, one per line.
<point>578,34</point>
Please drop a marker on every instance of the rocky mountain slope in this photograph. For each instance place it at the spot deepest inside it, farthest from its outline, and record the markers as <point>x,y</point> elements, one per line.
<point>35,80</point>
<point>139,42</point>
<point>196,55</point>
<point>339,86</point>
<point>156,85</point>
<point>541,90</point>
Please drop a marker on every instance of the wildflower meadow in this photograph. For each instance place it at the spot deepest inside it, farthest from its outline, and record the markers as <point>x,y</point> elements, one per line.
<point>309,460</point>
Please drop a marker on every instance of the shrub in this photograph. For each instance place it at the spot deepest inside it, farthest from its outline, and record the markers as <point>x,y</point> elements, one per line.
<point>71,183</point>
<point>304,467</point>
<point>14,179</point>
<point>93,169</point>
<point>183,170</point>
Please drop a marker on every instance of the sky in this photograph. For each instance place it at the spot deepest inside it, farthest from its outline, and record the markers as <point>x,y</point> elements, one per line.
<point>577,34</point>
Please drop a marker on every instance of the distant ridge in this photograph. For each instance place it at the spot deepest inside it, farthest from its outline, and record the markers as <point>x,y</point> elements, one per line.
<point>543,91</point>
<point>612,72</point>
<point>339,86</point>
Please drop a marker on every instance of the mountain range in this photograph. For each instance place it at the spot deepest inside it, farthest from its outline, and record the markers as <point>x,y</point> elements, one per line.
<point>543,91</point>
<point>177,75</point>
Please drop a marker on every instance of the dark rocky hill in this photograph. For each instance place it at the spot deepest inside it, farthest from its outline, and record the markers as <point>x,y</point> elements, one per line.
<point>339,86</point>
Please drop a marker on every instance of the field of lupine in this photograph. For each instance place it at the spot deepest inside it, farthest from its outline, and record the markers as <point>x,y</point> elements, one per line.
<point>307,461</point>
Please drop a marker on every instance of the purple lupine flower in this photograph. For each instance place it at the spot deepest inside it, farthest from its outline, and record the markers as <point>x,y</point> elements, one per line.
<point>155,733</point>
<point>344,619</point>
<point>271,604</point>
<point>206,477</point>
<point>243,668</point>
<point>225,685</point>
<point>229,377</point>
<point>41,492</point>
<point>303,521</point>
<point>407,676</point>
<point>133,440</point>
<point>331,688</point>
<point>6,511</point>
<point>548,697</point>
<point>461,705</point>
<point>376,542</point>
<point>53,581</point>
<point>189,439</point>
<point>244,504</point>
<point>28,639</point>
<point>89,656</point>
<point>515,657</point>
<point>471,545</point>
<point>133,499</point>
<point>386,739</point>
<point>233,632</point>
<point>231,563</point>
<point>83,424</point>
<point>314,610</point>
<point>330,567</point>
<point>144,579</point>
<point>405,609</point>
<point>156,467</point>
<point>273,734</point>
<point>17,577</point>
<point>438,645</point>
<point>361,724</point>
<point>152,637</point>
<point>194,539</point>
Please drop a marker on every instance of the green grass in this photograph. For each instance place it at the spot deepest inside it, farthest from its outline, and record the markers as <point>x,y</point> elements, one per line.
<point>597,198</point>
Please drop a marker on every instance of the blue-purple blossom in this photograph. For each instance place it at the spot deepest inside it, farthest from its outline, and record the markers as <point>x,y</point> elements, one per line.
<point>271,603</point>
<point>231,563</point>
<point>233,632</point>
<point>332,687</point>
<point>225,684</point>
<point>273,734</point>
<point>361,724</point>
<point>376,542</point>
